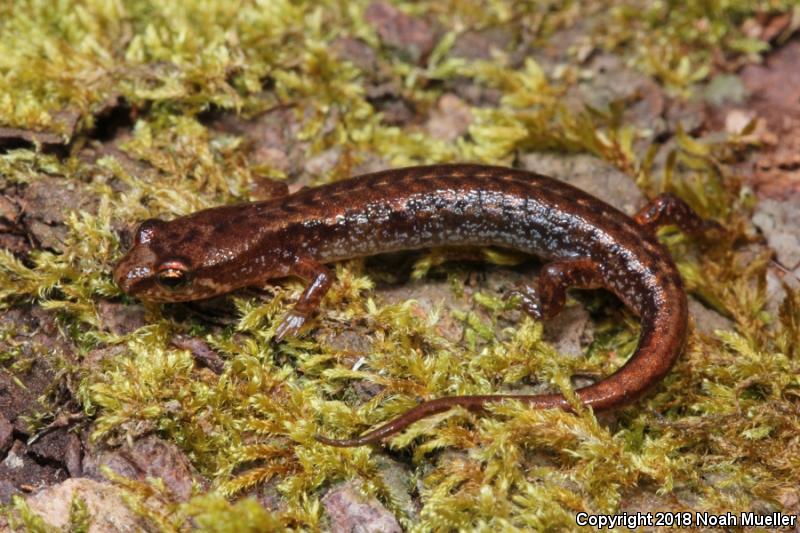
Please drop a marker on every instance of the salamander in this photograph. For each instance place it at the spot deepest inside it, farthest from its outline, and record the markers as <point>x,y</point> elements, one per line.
<point>585,242</point>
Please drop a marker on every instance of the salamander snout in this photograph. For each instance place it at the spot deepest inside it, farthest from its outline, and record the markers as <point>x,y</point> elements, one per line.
<point>135,268</point>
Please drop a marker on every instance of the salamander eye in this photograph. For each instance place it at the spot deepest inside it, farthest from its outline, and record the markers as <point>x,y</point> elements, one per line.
<point>172,275</point>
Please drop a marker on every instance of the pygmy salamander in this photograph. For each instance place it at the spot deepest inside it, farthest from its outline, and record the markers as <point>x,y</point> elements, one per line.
<point>589,244</point>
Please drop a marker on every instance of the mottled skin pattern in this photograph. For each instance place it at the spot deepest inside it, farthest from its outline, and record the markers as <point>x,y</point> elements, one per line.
<point>588,243</point>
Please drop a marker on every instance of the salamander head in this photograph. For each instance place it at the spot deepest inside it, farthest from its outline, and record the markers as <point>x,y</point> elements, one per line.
<point>190,258</point>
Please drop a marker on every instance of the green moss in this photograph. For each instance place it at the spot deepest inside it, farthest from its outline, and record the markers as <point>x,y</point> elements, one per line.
<point>80,519</point>
<point>678,45</point>
<point>20,514</point>
<point>21,517</point>
<point>722,419</point>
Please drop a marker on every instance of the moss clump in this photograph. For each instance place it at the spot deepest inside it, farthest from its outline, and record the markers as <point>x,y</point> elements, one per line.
<point>177,64</point>
<point>679,44</point>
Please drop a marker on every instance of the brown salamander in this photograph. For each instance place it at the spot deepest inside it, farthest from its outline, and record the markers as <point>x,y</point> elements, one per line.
<point>589,244</point>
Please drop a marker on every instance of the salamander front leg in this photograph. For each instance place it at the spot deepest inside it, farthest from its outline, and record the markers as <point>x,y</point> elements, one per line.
<point>319,280</point>
<point>666,209</point>
<point>547,298</point>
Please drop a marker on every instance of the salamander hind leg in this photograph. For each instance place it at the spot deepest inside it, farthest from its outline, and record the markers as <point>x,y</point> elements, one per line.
<point>666,209</point>
<point>546,299</point>
<point>319,281</point>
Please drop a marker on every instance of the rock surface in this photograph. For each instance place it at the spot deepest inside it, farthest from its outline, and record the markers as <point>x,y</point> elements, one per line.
<point>780,222</point>
<point>348,509</point>
<point>105,504</point>
<point>6,435</point>
<point>412,36</point>
<point>590,174</point>
<point>47,204</point>
<point>149,457</point>
<point>450,120</point>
